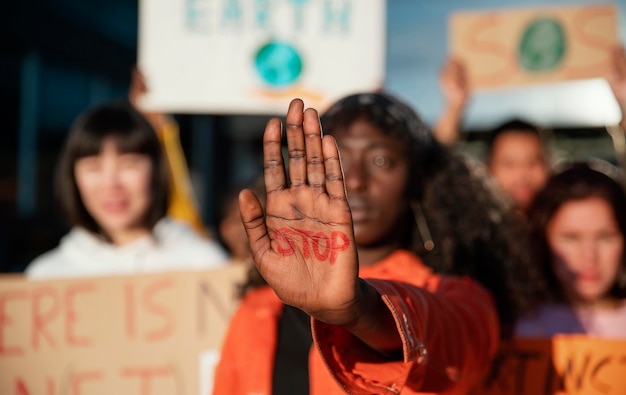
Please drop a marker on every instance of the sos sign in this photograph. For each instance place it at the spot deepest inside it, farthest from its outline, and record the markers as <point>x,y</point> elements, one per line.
<point>534,45</point>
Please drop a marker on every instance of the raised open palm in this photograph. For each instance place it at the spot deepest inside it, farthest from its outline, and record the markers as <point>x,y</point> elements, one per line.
<point>303,244</point>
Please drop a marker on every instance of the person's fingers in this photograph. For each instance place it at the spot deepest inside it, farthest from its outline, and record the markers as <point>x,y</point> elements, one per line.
<point>453,78</point>
<point>295,144</point>
<point>254,223</point>
<point>313,142</point>
<point>335,186</point>
<point>456,73</point>
<point>274,168</point>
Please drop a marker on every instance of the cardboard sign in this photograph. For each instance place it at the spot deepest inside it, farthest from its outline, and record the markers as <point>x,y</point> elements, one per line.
<point>146,335</point>
<point>251,56</point>
<point>538,45</point>
<point>565,365</point>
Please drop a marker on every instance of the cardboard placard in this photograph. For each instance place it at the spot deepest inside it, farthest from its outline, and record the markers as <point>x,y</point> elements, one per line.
<point>250,56</point>
<point>564,365</point>
<point>534,45</point>
<point>146,334</point>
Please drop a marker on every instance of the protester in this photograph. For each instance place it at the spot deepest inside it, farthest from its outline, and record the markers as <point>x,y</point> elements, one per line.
<point>518,162</point>
<point>405,329</point>
<point>579,223</point>
<point>112,183</point>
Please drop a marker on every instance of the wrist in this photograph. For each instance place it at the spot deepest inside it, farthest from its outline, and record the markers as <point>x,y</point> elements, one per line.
<point>367,309</point>
<point>375,325</point>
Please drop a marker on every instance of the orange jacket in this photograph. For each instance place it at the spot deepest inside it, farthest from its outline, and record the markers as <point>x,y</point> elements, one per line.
<point>449,329</point>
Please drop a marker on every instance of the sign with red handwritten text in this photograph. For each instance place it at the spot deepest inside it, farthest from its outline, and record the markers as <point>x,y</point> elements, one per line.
<point>564,365</point>
<point>251,56</point>
<point>147,335</point>
<point>534,45</point>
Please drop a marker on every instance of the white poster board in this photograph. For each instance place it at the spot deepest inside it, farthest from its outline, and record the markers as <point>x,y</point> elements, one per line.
<point>254,56</point>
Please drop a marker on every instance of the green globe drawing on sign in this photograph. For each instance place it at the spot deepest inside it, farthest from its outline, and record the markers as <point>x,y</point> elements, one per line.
<point>542,46</point>
<point>278,63</point>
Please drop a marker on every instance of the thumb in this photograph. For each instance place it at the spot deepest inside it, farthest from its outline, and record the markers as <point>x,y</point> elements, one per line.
<point>254,223</point>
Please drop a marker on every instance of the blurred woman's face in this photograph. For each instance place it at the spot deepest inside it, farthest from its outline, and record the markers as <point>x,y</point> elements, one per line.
<point>115,188</point>
<point>376,172</point>
<point>587,248</point>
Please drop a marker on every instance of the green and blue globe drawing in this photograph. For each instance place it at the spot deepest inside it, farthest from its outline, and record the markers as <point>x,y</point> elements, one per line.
<point>278,63</point>
<point>542,46</point>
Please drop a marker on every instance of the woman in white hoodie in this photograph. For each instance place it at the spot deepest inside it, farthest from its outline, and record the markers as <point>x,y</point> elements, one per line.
<point>112,182</point>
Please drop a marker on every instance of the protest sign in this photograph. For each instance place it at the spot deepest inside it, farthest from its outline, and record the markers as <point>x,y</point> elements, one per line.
<point>564,365</point>
<point>146,334</point>
<point>534,45</point>
<point>250,56</point>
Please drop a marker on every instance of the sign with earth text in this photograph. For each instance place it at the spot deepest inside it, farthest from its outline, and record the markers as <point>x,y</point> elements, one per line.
<point>254,56</point>
<point>534,45</point>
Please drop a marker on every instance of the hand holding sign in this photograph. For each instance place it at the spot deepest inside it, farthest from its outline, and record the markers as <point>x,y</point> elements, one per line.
<point>455,89</point>
<point>304,244</point>
<point>453,83</point>
<point>137,91</point>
